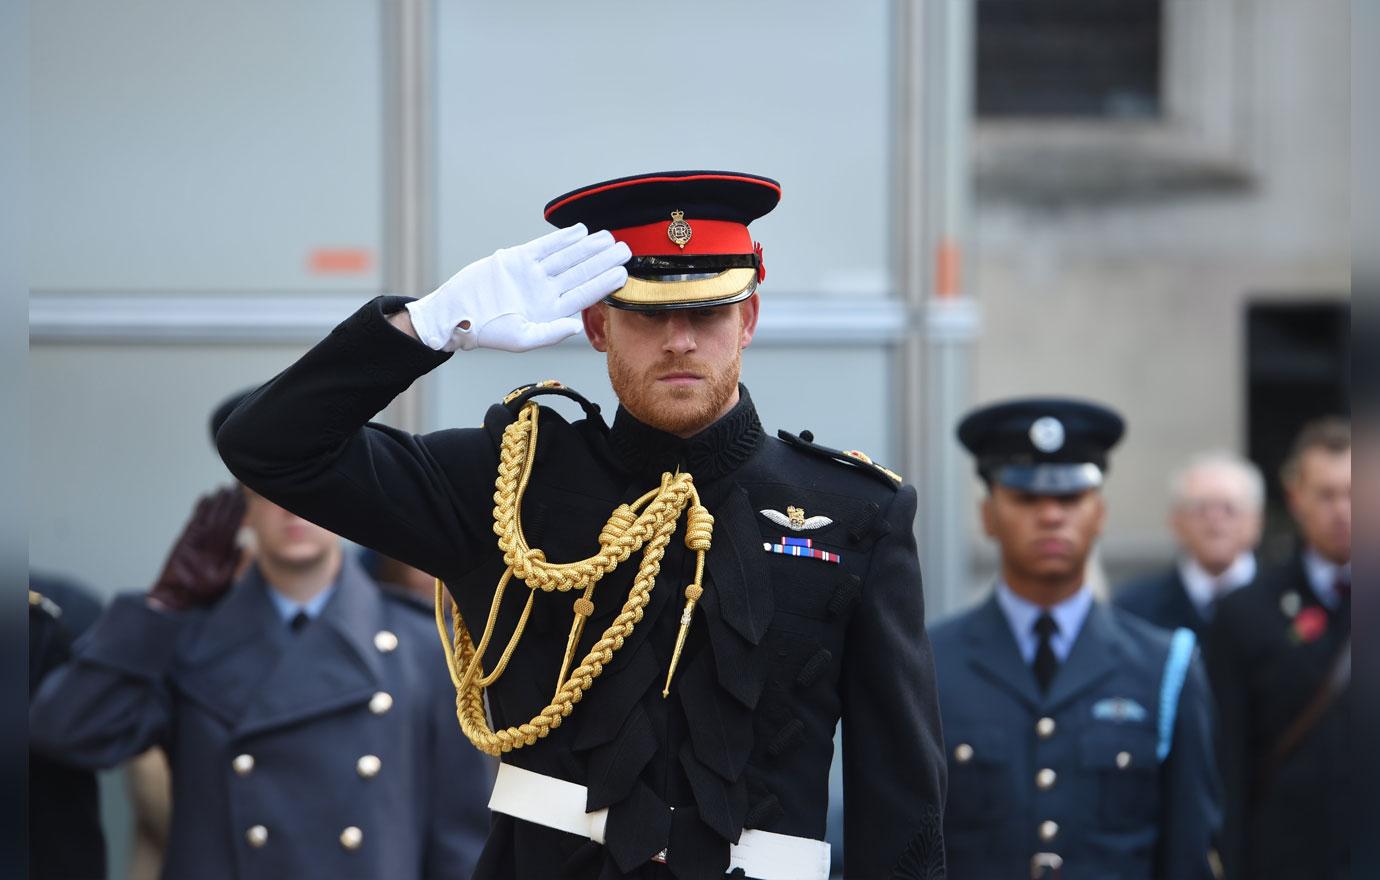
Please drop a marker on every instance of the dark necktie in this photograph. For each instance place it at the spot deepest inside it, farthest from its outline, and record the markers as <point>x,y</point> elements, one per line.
<point>1342,586</point>
<point>1046,664</point>
<point>298,621</point>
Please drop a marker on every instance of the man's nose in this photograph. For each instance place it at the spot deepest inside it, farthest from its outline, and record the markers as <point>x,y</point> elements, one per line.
<point>1050,510</point>
<point>680,334</point>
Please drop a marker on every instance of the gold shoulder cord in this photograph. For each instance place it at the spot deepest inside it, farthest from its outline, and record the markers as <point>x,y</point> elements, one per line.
<point>626,532</point>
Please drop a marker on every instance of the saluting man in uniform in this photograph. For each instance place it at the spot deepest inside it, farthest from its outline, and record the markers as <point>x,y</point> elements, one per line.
<point>660,621</point>
<point>1079,736</point>
<point>303,709</point>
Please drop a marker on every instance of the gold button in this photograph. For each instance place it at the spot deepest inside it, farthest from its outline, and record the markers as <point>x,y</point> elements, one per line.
<point>368,766</point>
<point>1045,727</point>
<point>1045,779</point>
<point>243,764</point>
<point>351,838</point>
<point>1123,760</point>
<point>385,641</point>
<point>1049,830</point>
<point>963,753</point>
<point>257,835</point>
<point>380,702</point>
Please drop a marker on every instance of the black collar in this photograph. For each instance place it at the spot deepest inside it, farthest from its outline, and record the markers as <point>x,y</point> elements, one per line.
<point>721,448</point>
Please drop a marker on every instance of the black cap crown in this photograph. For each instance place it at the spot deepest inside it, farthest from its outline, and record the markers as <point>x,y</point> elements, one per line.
<point>1049,446</point>
<point>687,231</point>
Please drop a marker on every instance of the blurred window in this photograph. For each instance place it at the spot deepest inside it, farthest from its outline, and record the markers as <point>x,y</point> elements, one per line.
<point>1084,58</point>
<point>537,99</point>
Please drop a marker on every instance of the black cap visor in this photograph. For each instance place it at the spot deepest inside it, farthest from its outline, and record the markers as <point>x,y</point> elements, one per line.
<point>1048,478</point>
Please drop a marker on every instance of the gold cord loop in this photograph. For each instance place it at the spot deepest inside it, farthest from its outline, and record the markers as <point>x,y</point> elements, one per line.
<point>646,525</point>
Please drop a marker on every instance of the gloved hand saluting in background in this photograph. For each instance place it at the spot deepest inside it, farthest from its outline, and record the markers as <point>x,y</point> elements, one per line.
<point>201,565</point>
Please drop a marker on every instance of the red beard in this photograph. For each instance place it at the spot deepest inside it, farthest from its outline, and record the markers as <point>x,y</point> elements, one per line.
<point>678,410</point>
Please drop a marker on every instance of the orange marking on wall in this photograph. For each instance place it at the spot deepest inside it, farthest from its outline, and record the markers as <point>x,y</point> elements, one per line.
<point>340,261</point>
<point>947,263</point>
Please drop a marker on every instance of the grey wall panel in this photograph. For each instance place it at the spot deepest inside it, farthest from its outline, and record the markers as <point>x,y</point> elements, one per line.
<point>539,98</point>
<point>120,449</point>
<point>195,144</point>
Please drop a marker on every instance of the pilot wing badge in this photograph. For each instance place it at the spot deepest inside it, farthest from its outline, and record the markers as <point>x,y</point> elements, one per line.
<point>794,519</point>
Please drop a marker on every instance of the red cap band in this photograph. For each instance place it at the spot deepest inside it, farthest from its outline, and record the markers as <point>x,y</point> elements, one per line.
<point>707,237</point>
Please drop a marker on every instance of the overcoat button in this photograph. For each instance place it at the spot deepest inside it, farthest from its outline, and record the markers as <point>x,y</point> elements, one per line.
<point>380,702</point>
<point>243,764</point>
<point>351,838</point>
<point>257,835</point>
<point>1045,779</point>
<point>385,641</point>
<point>1123,760</point>
<point>1048,830</point>
<point>963,753</point>
<point>1044,728</point>
<point>368,766</point>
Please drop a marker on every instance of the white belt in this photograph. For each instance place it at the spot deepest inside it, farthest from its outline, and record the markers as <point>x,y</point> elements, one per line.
<point>555,803</point>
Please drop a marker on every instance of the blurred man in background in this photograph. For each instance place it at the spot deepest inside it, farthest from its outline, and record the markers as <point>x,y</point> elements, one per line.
<point>1280,656</point>
<point>1217,513</point>
<point>307,713</point>
<point>1079,736</point>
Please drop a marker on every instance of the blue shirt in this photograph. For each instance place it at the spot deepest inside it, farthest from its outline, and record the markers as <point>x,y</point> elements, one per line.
<point>1021,616</point>
<point>1323,577</point>
<point>287,609</point>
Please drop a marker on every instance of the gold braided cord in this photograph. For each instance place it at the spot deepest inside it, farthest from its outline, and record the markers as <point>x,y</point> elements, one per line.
<point>647,525</point>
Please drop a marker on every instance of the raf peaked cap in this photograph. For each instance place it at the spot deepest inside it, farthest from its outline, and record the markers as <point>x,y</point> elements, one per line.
<point>1049,446</point>
<point>221,414</point>
<point>687,231</point>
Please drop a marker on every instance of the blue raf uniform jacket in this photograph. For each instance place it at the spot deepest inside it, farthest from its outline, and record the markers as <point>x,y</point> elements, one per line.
<point>278,743</point>
<point>1072,778</point>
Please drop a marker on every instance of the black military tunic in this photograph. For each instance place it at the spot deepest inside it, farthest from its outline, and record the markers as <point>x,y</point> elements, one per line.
<point>780,649</point>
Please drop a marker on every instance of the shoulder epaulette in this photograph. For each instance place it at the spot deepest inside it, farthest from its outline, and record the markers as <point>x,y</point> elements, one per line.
<point>851,457</point>
<point>44,604</point>
<point>515,399</point>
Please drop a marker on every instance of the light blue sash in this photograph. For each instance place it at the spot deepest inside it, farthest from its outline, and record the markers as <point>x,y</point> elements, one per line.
<point>1175,671</point>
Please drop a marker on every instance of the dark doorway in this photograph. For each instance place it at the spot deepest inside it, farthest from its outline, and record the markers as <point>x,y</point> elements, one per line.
<point>1298,368</point>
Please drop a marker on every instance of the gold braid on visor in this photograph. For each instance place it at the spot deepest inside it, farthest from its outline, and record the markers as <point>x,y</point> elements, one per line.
<point>647,525</point>
<point>729,286</point>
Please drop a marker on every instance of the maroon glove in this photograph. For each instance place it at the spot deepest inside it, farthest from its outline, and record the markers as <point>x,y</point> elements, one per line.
<point>201,565</point>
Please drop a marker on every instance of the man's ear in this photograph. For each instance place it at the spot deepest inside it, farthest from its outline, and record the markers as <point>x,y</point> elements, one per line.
<point>749,309</point>
<point>595,319</point>
<point>989,516</point>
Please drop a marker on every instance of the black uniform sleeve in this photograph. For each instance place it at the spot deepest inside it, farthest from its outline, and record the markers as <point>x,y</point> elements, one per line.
<point>110,701</point>
<point>304,441</point>
<point>1225,664</point>
<point>1193,814</point>
<point>893,756</point>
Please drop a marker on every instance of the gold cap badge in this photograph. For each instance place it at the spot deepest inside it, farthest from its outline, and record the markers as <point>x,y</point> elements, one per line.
<point>679,231</point>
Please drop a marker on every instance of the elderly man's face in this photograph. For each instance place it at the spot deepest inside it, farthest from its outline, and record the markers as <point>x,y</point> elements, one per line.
<point>1215,518</point>
<point>1320,500</point>
<point>676,370</point>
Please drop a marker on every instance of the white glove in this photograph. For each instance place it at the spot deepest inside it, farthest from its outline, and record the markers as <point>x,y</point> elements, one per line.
<point>523,297</point>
